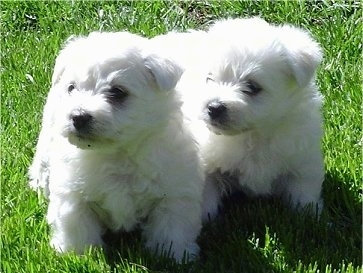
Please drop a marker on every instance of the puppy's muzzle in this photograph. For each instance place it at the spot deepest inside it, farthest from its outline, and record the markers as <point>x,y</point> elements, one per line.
<point>81,121</point>
<point>216,110</point>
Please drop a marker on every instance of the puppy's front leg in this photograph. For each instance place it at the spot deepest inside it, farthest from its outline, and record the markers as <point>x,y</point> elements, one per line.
<point>39,170</point>
<point>211,199</point>
<point>304,187</point>
<point>305,192</point>
<point>74,225</point>
<point>174,225</point>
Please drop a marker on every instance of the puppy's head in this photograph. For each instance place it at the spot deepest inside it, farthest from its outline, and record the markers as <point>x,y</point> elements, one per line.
<point>259,74</point>
<point>111,90</point>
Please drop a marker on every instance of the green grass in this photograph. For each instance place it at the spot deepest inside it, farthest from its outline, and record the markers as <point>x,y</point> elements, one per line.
<point>254,235</point>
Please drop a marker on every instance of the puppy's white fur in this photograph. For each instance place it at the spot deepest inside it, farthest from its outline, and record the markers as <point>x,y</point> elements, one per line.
<point>262,108</point>
<point>114,151</point>
<point>250,88</point>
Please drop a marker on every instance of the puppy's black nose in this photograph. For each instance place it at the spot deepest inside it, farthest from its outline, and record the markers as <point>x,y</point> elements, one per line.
<point>216,109</point>
<point>81,121</point>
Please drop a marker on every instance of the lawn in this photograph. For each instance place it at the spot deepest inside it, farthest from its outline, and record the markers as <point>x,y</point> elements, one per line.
<point>252,235</point>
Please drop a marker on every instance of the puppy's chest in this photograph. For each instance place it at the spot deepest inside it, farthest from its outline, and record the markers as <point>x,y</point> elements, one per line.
<point>253,164</point>
<point>118,177</point>
<point>120,195</point>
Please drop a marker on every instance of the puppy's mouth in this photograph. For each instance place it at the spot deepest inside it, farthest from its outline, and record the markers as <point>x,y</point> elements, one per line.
<point>218,119</point>
<point>90,141</point>
<point>224,128</point>
<point>80,130</point>
<point>81,141</point>
<point>216,127</point>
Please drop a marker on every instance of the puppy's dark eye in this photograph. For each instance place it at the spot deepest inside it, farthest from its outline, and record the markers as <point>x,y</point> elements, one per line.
<point>71,87</point>
<point>210,78</point>
<point>251,88</point>
<point>117,94</point>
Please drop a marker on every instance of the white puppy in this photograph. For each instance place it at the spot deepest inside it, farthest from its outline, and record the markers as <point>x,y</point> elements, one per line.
<point>262,108</point>
<point>114,151</point>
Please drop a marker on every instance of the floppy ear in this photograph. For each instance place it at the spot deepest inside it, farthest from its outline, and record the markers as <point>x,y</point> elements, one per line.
<point>62,59</point>
<point>303,53</point>
<point>164,72</point>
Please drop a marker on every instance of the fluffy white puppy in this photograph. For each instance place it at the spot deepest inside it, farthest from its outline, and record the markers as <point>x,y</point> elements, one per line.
<point>114,151</point>
<point>262,109</point>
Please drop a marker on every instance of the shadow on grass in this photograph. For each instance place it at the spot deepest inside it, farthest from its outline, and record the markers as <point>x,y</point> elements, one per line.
<point>262,235</point>
<point>126,249</point>
<point>273,238</point>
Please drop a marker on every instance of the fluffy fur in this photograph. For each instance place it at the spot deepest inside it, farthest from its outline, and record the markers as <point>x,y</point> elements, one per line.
<point>262,108</point>
<point>249,89</point>
<point>114,151</point>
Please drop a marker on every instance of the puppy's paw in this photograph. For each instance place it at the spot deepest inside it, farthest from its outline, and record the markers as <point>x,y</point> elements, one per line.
<point>211,200</point>
<point>305,202</point>
<point>187,252</point>
<point>59,245</point>
<point>39,178</point>
<point>313,208</point>
<point>63,245</point>
<point>191,252</point>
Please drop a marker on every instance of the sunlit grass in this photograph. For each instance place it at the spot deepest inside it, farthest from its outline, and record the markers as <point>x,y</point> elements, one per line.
<point>254,235</point>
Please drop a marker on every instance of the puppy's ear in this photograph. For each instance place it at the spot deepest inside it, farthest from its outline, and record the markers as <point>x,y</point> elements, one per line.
<point>164,72</point>
<point>303,53</point>
<point>62,59</point>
